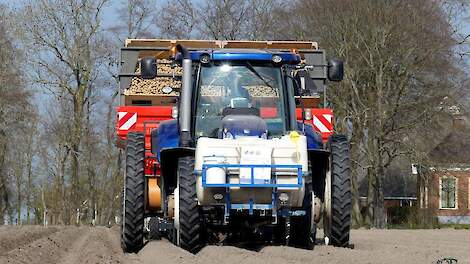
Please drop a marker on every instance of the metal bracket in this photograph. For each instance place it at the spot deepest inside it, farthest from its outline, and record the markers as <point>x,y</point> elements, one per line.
<point>287,230</point>
<point>146,224</point>
<point>274,206</point>
<point>227,206</point>
<point>317,68</point>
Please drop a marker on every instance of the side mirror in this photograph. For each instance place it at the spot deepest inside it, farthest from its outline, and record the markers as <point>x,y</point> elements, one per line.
<point>335,70</point>
<point>148,68</point>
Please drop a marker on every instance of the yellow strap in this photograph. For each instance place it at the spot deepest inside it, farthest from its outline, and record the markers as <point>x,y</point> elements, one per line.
<point>295,136</point>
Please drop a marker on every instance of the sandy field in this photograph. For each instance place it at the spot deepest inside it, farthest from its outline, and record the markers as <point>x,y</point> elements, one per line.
<point>34,244</point>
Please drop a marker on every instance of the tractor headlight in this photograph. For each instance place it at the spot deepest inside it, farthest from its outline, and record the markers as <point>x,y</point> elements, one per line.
<point>204,58</point>
<point>283,197</point>
<point>276,59</point>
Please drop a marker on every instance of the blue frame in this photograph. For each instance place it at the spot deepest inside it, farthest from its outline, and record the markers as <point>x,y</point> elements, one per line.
<point>273,183</point>
<point>251,205</point>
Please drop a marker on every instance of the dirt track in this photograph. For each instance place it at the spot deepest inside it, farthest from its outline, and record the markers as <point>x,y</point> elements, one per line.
<point>101,245</point>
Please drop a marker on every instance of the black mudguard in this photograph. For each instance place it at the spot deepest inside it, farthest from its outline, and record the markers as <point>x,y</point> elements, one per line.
<point>169,163</point>
<point>319,159</point>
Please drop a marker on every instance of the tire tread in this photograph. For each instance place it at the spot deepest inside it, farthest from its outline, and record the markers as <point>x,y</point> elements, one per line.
<point>189,215</point>
<point>340,191</point>
<point>132,229</point>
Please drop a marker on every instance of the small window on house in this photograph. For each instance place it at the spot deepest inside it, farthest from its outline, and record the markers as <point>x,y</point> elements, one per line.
<point>448,193</point>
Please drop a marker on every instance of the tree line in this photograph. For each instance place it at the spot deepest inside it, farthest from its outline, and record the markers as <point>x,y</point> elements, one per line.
<point>58,88</point>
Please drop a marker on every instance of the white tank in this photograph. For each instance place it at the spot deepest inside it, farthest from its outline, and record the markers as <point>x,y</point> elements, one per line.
<point>286,150</point>
<point>215,175</point>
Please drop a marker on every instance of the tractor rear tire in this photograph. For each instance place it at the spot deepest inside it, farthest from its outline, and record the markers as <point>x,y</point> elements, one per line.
<point>337,217</point>
<point>132,229</point>
<point>189,215</point>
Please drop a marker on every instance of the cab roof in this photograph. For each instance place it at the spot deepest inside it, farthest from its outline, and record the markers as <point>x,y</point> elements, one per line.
<point>245,55</point>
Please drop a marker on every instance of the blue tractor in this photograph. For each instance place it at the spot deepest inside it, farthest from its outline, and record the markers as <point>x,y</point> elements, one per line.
<point>237,162</point>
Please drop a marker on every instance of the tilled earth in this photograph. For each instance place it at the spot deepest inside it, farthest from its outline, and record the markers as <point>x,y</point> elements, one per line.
<point>35,244</point>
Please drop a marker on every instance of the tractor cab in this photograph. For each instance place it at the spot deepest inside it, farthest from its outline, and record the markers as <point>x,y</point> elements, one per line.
<point>252,86</point>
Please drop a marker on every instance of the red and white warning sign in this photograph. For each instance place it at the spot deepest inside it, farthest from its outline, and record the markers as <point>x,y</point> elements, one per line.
<point>323,122</point>
<point>126,120</point>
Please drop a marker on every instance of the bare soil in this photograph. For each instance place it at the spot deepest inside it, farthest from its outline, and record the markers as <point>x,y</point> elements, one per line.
<point>34,244</point>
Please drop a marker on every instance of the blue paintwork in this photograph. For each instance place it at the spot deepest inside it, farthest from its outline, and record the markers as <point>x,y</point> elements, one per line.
<point>314,140</point>
<point>273,183</point>
<point>244,55</point>
<point>244,125</point>
<point>167,135</point>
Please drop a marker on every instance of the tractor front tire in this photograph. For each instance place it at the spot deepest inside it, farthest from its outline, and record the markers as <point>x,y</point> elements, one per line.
<point>132,229</point>
<point>337,213</point>
<point>189,215</point>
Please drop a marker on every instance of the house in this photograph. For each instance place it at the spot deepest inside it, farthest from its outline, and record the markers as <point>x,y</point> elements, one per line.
<point>444,191</point>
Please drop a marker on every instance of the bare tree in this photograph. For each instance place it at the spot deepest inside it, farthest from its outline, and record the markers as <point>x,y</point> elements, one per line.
<point>399,65</point>
<point>65,40</point>
<point>136,20</point>
<point>53,152</point>
<point>262,20</point>
<point>177,19</point>
<point>30,151</point>
<point>14,112</point>
<point>222,19</point>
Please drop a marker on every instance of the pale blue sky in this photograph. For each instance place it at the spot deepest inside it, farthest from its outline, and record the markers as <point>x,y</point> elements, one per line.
<point>109,15</point>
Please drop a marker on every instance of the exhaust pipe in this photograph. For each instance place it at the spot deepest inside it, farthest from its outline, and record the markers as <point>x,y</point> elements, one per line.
<point>185,98</point>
